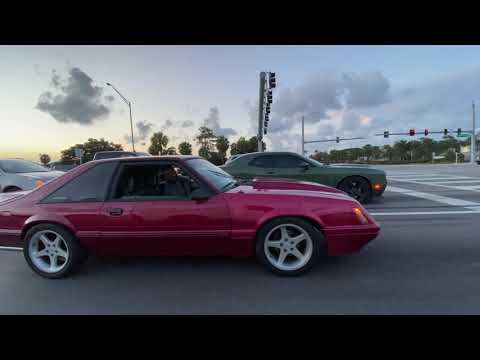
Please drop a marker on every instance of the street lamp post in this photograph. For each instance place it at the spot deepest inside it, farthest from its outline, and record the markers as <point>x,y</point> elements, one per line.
<point>130,110</point>
<point>473,139</point>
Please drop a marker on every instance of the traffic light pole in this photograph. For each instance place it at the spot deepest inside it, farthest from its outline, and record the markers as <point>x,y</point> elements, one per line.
<point>473,138</point>
<point>303,135</point>
<point>260,111</point>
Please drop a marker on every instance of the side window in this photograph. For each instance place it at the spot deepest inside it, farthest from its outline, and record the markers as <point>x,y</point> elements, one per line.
<point>266,161</point>
<point>154,181</point>
<point>288,161</point>
<point>90,186</point>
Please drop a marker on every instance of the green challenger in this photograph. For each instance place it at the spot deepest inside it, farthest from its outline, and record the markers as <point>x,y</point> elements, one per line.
<point>361,183</point>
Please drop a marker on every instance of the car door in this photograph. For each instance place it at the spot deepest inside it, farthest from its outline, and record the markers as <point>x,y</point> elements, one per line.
<point>166,225</point>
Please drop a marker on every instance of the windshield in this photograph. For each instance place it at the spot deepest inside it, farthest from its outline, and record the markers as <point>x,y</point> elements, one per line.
<point>21,166</point>
<point>316,162</point>
<point>219,178</point>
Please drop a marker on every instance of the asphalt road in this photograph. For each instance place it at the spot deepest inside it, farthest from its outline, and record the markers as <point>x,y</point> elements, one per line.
<point>426,261</point>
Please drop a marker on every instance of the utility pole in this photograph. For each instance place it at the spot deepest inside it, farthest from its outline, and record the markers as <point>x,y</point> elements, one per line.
<point>130,109</point>
<point>473,138</point>
<point>261,108</point>
<point>303,135</point>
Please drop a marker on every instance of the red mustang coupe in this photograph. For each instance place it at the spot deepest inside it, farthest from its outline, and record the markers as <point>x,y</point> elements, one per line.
<point>179,205</point>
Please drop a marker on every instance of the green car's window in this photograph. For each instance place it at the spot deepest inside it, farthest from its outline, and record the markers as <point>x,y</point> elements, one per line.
<point>266,161</point>
<point>288,161</point>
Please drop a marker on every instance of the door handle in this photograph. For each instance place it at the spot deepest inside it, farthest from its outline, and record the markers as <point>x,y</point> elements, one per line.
<point>270,172</point>
<point>115,211</point>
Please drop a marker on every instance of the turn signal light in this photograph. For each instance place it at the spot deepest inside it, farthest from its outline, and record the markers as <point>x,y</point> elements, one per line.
<point>39,183</point>
<point>359,214</point>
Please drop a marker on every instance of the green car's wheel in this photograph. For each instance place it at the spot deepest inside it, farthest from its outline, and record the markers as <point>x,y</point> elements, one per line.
<point>357,187</point>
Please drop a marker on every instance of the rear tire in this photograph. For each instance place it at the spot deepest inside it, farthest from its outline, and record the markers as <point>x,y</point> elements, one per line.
<point>12,189</point>
<point>357,187</point>
<point>289,246</point>
<point>51,251</point>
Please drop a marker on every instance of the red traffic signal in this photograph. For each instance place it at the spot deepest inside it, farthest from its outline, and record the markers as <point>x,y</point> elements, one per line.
<point>412,132</point>
<point>426,132</point>
<point>272,81</point>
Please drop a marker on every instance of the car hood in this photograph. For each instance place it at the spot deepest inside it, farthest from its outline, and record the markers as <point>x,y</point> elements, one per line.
<point>44,176</point>
<point>276,186</point>
<point>9,196</point>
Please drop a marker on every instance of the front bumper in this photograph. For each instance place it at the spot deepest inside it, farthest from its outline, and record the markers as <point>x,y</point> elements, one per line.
<point>344,240</point>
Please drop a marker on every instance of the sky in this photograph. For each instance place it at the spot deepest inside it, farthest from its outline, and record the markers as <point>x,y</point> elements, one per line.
<point>56,96</point>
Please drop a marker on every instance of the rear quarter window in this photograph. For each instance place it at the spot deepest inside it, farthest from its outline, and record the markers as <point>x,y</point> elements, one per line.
<point>90,186</point>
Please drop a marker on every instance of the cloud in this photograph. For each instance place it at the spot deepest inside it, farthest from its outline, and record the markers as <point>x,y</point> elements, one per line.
<point>370,89</point>
<point>167,125</point>
<point>213,123</point>
<point>187,123</point>
<point>142,130</point>
<point>76,99</point>
<point>324,94</point>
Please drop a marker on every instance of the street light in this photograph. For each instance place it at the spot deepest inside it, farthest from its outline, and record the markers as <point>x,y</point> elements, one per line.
<point>130,108</point>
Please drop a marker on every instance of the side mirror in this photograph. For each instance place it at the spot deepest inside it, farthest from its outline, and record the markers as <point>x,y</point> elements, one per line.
<point>199,194</point>
<point>305,167</point>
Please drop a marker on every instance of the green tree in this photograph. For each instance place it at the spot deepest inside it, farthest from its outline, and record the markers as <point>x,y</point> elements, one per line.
<point>376,152</point>
<point>222,147</point>
<point>321,156</point>
<point>44,159</point>
<point>90,148</point>
<point>367,152</point>
<point>185,148</point>
<point>388,152</point>
<point>244,146</point>
<point>158,142</point>
<point>205,138</point>
<point>216,158</point>
<point>204,152</point>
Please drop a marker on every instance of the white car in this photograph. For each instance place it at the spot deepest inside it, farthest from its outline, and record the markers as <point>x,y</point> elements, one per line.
<point>23,175</point>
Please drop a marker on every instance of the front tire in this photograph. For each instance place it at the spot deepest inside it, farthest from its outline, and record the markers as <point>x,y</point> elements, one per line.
<point>51,251</point>
<point>357,187</point>
<point>289,246</point>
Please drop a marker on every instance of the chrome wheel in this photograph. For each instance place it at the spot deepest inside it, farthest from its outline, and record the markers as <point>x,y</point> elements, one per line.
<point>288,247</point>
<point>48,251</point>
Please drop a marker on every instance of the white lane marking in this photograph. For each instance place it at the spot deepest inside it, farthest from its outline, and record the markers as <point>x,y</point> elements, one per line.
<point>426,213</point>
<point>432,197</point>
<point>438,185</point>
<point>424,175</point>
<point>457,182</point>
<point>437,178</point>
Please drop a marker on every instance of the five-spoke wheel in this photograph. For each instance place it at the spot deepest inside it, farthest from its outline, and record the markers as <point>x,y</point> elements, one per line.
<point>289,246</point>
<point>52,251</point>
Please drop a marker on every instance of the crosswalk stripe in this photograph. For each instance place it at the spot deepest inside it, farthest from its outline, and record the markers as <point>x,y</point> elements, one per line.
<point>432,197</point>
<point>457,181</point>
<point>431,178</point>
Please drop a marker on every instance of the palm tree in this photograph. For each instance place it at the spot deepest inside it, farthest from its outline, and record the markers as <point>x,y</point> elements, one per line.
<point>159,142</point>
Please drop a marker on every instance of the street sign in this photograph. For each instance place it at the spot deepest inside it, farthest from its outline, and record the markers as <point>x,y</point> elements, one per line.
<point>79,152</point>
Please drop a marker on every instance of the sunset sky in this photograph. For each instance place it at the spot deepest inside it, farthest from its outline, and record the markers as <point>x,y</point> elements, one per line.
<point>55,96</point>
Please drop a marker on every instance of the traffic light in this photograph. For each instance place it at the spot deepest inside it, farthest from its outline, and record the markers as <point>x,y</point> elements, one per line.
<point>445,132</point>
<point>269,97</point>
<point>265,131</point>
<point>426,132</point>
<point>265,124</point>
<point>459,131</point>
<point>412,132</point>
<point>386,134</point>
<point>337,139</point>
<point>272,82</point>
<point>267,108</point>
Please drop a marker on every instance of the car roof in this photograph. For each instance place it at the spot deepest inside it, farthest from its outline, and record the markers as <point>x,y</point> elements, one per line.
<point>151,158</point>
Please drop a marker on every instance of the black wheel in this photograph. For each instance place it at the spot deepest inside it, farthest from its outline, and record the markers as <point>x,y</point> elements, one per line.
<point>289,246</point>
<point>357,187</point>
<point>12,189</point>
<point>51,251</point>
